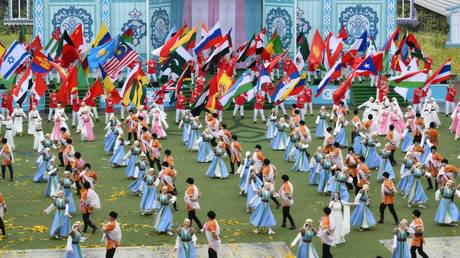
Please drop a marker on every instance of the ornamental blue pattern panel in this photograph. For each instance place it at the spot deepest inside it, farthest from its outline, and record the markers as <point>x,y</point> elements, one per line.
<point>68,18</point>
<point>39,28</point>
<point>160,22</point>
<point>130,14</point>
<point>327,16</point>
<point>279,15</point>
<point>105,12</point>
<point>308,19</point>
<point>391,17</point>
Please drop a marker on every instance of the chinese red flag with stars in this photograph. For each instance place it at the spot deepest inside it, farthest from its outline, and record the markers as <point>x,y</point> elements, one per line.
<point>316,51</point>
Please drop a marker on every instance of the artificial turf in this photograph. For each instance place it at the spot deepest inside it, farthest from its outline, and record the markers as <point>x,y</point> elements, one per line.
<point>26,199</point>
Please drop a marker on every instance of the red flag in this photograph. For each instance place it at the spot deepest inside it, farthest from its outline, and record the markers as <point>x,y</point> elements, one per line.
<point>69,52</point>
<point>316,51</point>
<point>36,44</point>
<point>96,90</point>
<point>339,93</point>
<point>343,34</point>
<point>115,95</point>
<point>377,59</point>
<point>166,49</point>
<point>275,61</point>
<point>64,91</point>
<point>77,36</point>
<point>39,86</point>
<point>213,89</point>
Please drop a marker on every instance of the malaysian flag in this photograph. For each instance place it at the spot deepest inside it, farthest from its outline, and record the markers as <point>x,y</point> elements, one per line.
<point>124,56</point>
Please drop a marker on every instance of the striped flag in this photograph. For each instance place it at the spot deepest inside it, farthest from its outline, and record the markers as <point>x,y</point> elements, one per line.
<point>331,75</point>
<point>124,56</point>
<point>442,74</point>
<point>20,91</point>
<point>13,58</point>
<point>242,85</point>
<point>200,102</point>
<point>409,79</point>
<point>283,86</point>
<point>39,87</point>
<point>54,43</point>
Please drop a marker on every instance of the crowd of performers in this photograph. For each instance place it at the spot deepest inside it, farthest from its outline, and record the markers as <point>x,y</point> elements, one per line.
<point>350,160</point>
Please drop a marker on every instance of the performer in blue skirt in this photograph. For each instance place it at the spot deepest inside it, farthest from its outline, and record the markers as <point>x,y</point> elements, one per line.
<point>407,163</point>
<point>185,124</point>
<point>118,153</point>
<point>316,167</point>
<point>185,241</point>
<point>340,132</point>
<point>164,216</point>
<point>301,163</point>
<point>113,130</point>
<point>272,118</point>
<point>337,184</point>
<point>217,168</point>
<point>321,123</point>
<point>371,157</point>
<point>325,174</point>
<point>194,135</point>
<point>51,175</point>
<point>73,249</point>
<point>362,217</point>
<point>139,173</point>
<point>205,147</point>
<point>305,237</point>
<point>262,217</point>
<point>400,244</point>
<point>43,162</point>
<point>243,171</point>
<point>385,163</point>
<point>149,193</point>
<point>66,183</point>
<point>408,139</point>
<point>414,189</point>
<point>447,213</point>
<point>290,151</point>
<point>280,141</point>
<point>61,225</point>
<point>132,156</point>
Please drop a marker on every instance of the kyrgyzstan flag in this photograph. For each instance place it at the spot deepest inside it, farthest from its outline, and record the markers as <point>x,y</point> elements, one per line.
<point>316,51</point>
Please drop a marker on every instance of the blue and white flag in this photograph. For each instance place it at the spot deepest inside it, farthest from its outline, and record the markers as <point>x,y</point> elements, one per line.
<point>12,59</point>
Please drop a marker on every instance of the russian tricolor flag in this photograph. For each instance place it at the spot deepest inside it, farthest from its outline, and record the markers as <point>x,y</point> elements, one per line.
<point>213,37</point>
<point>332,74</point>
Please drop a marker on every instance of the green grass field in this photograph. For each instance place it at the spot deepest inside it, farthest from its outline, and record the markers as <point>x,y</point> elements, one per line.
<point>26,199</point>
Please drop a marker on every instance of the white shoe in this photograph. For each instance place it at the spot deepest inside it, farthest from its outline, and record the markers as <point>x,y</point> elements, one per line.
<point>169,233</point>
<point>271,232</point>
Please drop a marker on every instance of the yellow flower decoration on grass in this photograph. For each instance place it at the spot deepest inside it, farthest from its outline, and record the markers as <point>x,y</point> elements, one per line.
<point>117,195</point>
<point>39,229</point>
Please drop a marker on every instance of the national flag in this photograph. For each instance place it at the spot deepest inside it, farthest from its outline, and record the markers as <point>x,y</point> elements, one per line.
<point>100,55</point>
<point>264,77</point>
<point>221,49</point>
<point>176,62</point>
<point>377,59</point>
<point>241,86</point>
<point>343,34</point>
<point>77,37</point>
<point>20,91</point>
<point>443,73</point>
<point>69,51</point>
<point>39,87</point>
<point>409,79</point>
<point>40,63</point>
<point>138,92</point>
<point>63,74</point>
<point>97,89</point>
<point>414,47</point>
<point>35,45</point>
<point>274,46</point>
<point>302,46</point>
<point>366,67</point>
<point>260,40</point>
<point>103,36</point>
<point>128,35</point>
<point>213,90</point>
<point>333,48</point>
<point>211,38</point>
<point>187,40</point>
<point>246,50</point>
<point>54,43</point>
<point>22,33</point>
<point>123,57</point>
<point>295,88</point>
<point>2,51</point>
<point>298,61</point>
<point>284,85</point>
<point>272,64</point>
<point>316,51</point>
<point>82,82</point>
<point>200,102</point>
<point>13,58</point>
<point>126,89</point>
<point>393,37</point>
<point>180,82</point>
<point>403,50</point>
<point>360,45</point>
<point>331,75</point>
<point>340,93</point>
<point>167,46</point>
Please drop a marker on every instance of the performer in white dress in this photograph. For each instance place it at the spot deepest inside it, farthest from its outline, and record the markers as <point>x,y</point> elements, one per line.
<point>18,114</point>
<point>33,116</point>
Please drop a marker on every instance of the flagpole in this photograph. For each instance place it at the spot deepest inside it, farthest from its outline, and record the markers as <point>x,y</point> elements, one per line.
<point>147,45</point>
